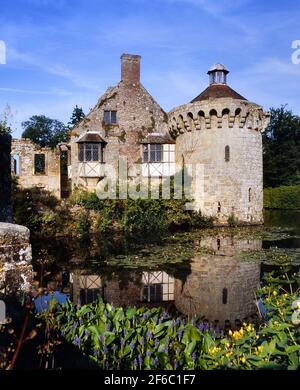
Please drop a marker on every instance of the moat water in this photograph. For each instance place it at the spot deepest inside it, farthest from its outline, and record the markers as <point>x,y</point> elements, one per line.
<point>210,273</point>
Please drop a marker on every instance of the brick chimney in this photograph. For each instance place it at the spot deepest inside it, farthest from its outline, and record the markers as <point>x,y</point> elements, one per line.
<point>130,68</point>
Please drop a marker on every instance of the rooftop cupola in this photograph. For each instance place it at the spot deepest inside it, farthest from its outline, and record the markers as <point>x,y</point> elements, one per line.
<point>217,74</point>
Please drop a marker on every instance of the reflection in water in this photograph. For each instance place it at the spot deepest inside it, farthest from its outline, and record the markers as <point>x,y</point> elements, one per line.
<point>219,286</point>
<point>145,287</point>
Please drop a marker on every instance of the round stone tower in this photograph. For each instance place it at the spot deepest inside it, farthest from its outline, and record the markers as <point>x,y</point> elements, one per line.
<point>218,134</point>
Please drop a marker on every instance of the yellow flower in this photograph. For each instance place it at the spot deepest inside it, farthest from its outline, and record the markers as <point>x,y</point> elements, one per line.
<point>243,360</point>
<point>298,305</point>
<point>230,333</point>
<point>259,348</point>
<point>275,293</point>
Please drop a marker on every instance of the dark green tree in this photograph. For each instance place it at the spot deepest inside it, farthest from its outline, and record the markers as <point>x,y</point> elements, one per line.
<point>76,116</point>
<point>45,131</point>
<point>281,146</point>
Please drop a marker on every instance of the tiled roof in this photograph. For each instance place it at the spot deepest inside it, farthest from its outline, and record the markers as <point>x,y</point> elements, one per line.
<point>91,137</point>
<point>215,91</point>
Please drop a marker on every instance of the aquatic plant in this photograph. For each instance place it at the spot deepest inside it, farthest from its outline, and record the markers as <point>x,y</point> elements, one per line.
<point>140,338</point>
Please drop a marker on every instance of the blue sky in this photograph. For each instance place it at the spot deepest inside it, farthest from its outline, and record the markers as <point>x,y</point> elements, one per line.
<point>61,53</point>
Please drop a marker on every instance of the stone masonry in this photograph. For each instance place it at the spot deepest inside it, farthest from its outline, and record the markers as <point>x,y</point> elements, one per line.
<point>15,258</point>
<point>23,155</point>
<point>5,179</point>
<point>220,287</point>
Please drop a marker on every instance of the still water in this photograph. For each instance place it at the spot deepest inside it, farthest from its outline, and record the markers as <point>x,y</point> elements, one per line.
<point>211,274</point>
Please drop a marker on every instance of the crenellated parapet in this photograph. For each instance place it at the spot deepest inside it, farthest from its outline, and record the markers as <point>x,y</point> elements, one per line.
<point>217,113</point>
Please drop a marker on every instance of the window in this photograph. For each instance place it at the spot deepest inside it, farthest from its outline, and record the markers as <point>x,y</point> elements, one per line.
<point>16,164</point>
<point>90,152</point>
<point>219,207</point>
<point>224,296</point>
<point>110,117</point>
<point>249,195</point>
<point>227,153</point>
<point>39,164</point>
<point>153,153</point>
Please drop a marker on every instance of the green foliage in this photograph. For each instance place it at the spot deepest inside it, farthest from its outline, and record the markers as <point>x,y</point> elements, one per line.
<point>35,208</point>
<point>4,127</point>
<point>76,117</point>
<point>232,222</point>
<point>83,225</point>
<point>283,197</point>
<point>45,131</point>
<point>147,217</point>
<point>281,144</point>
<point>139,338</point>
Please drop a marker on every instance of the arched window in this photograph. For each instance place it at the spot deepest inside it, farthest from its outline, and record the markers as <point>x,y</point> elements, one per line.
<point>224,296</point>
<point>249,195</point>
<point>227,153</point>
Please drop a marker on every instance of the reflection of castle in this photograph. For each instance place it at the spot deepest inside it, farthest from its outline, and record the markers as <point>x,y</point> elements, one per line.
<point>146,287</point>
<point>220,287</point>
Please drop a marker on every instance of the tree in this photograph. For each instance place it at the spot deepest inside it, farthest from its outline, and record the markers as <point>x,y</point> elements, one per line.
<point>5,127</point>
<point>45,131</point>
<point>76,117</point>
<point>281,146</point>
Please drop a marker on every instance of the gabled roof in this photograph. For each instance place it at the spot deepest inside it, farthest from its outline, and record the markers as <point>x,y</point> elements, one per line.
<point>215,91</point>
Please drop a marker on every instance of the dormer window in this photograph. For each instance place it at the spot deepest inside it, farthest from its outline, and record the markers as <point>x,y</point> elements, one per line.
<point>152,153</point>
<point>110,117</point>
<point>90,152</point>
<point>90,148</point>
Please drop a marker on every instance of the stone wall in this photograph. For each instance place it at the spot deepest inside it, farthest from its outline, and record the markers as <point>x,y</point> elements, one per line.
<point>138,114</point>
<point>15,257</point>
<point>215,275</point>
<point>202,131</point>
<point>5,179</point>
<point>25,149</point>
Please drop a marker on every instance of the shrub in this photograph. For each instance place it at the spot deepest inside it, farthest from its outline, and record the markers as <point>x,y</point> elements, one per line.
<point>232,222</point>
<point>284,197</point>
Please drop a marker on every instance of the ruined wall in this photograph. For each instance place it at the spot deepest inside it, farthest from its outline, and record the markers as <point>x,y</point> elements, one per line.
<point>25,149</point>
<point>137,115</point>
<point>5,179</point>
<point>203,292</point>
<point>202,131</point>
<point>15,257</point>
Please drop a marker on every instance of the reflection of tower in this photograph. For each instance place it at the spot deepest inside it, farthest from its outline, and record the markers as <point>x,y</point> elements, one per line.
<point>220,287</point>
<point>146,287</point>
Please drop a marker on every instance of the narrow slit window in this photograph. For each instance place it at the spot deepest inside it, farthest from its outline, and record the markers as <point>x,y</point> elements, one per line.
<point>16,164</point>
<point>39,164</point>
<point>219,207</point>
<point>249,195</point>
<point>227,153</point>
<point>224,296</point>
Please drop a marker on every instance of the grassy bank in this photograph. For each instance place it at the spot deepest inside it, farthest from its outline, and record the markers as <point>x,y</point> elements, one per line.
<point>284,197</point>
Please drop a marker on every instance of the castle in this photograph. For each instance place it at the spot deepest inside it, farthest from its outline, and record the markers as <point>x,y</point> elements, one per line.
<point>219,131</point>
